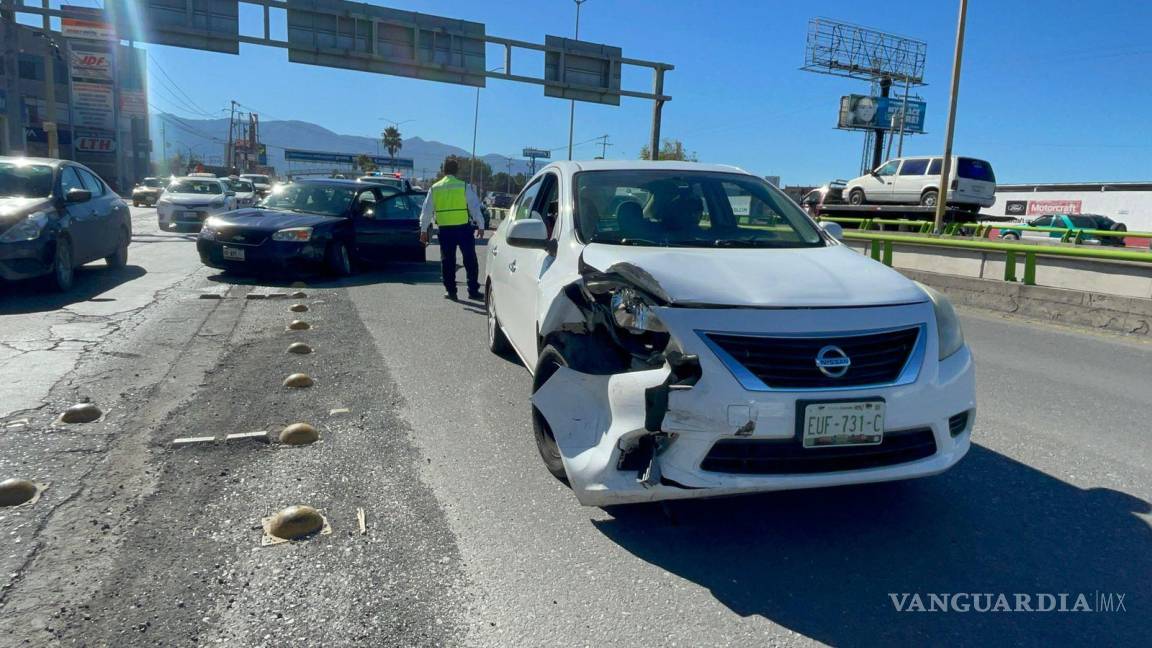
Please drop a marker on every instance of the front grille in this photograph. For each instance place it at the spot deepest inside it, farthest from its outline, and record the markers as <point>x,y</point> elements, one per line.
<point>790,457</point>
<point>790,362</point>
<point>241,237</point>
<point>957,423</point>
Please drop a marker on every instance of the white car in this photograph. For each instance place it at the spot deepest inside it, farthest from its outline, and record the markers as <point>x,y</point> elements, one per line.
<point>245,192</point>
<point>693,333</point>
<point>189,201</point>
<point>916,181</point>
<point>262,183</point>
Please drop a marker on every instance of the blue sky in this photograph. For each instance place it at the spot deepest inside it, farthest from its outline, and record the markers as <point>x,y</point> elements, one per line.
<point>1051,91</point>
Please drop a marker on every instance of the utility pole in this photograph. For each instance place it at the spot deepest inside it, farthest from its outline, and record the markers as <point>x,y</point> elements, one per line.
<point>164,144</point>
<point>50,86</point>
<point>14,123</point>
<point>604,144</point>
<point>572,102</point>
<point>508,175</point>
<point>231,124</point>
<point>946,171</point>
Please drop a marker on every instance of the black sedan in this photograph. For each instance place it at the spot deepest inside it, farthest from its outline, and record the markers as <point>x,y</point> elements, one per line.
<point>56,215</point>
<point>320,224</point>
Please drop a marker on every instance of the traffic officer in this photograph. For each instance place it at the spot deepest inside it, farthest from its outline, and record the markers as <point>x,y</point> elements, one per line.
<point>456,209</point>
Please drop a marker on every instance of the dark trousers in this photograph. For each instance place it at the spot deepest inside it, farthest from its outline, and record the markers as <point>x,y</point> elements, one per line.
<point>464,238</point>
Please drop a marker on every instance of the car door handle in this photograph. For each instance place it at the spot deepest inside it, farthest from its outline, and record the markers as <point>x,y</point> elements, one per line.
<point>493,250</point>
<point>512,266</point>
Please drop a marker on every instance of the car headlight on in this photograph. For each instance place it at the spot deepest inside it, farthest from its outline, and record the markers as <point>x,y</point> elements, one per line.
<point>631,312</point>
<point>947,323</point>
<point>297,234</point>
<point>28,229</point>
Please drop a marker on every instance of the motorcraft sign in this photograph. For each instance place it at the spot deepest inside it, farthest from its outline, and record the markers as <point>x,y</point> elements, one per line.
<point>1044,207</point>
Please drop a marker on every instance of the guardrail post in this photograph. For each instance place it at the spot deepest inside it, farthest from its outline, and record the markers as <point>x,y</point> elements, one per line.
<point>1065,236</point>
<point>1029,268</point>
<point>887,260</point>
<point>1010,266</point>
<point>1079,237</point>
<point>875,250</point>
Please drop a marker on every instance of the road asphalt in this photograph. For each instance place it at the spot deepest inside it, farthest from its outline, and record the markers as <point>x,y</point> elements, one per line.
<point>468,541</point>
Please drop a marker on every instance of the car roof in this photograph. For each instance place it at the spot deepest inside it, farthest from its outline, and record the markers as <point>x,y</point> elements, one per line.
<point>339,182</point>
<point>193,177</point>
<point>569,167</point>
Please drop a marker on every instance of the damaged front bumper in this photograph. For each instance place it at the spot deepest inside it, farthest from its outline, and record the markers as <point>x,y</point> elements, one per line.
<point>623,442</point>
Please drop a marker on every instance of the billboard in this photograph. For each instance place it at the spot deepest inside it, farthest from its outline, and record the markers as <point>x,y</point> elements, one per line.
<point>212,25</point>
<point>326,157</point>
<point>133,103</point>
<point>85,22</point>
<point>92,106</point>
<point>863,112</point>
<point>370,38</point>
<point>537,153</point>
<point>593,67</point>
<point>91,65</point>
<point>1042,207</point>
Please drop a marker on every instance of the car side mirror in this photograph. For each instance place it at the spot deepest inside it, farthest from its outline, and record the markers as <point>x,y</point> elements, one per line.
<point>833,229</point>
<point>529,233</point>
<point>231,194</point>
<point>76,195</point>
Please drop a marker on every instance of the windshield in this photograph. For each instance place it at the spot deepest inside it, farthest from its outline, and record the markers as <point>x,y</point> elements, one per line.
<point>261,179</point>
<point>153,183</point>
<point>688,209</point>
<point>327,200</point>
<point>196,187</point>
<point>25,180</point>
<point>242,186</point>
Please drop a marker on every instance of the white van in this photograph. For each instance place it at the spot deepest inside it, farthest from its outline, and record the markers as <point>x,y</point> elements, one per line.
<point>916,181</point>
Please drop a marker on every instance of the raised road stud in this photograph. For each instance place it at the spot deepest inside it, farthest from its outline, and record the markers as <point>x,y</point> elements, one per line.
<point>299,348</point>
<point>294,523</point>
<point>299,434</point>
<point>14,492</point>
<point>299,380</point>
<point>81,413</point>
<point>299,294</point>
<point>299,325</point>
<point>299,308</point>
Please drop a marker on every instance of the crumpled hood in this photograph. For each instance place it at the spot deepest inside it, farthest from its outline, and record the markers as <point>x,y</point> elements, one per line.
<point>789,278</point>
<point>270,220</point>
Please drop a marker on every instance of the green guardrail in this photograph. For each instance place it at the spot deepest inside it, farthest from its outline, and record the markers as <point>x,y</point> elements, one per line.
<point>881,244</point>
<point>983,230</point>
<point>1071,234</point>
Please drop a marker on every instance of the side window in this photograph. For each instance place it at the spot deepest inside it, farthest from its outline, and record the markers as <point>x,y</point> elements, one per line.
<point>936,167</point>
<point>527,199</point>
<point>1043,221</point>
<point>550,204</point>
<point>69,180</point>
<point>888,169</point>
<point>914,167</point>
<point>397,207</point>
<point>91,182</point>
<point>366,204</point>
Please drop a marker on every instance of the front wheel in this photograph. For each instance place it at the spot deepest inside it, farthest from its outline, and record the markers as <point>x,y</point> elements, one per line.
<point>856,197</point>
<point>550,362</point>
<point>339,261</point>
<point>929,198</point>
<point>1010,236</point>
<point>63,267</point>
<point>497,341</point>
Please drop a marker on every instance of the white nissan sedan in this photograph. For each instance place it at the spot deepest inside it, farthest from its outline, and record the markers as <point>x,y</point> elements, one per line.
<point>692,333</point>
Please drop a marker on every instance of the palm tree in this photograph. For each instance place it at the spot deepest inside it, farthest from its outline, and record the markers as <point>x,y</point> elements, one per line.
<point>392,140</point>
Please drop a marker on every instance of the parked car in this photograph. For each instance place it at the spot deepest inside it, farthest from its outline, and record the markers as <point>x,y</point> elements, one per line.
<point>147,192</point>
<point>245,192</point>
<point>262,183</point>
<point>916,181</point>
<point>188,202</point>
<point>320,224</point>
<point>681,350</point>
<point>829,194</point>
<point>1072,222</point>
<point>399,184</point>
<point>56,215</point>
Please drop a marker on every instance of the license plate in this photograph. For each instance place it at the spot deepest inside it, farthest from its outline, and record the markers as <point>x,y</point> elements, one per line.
<point>234,254</point>
<point>188,215</point>
<point>843,424</point>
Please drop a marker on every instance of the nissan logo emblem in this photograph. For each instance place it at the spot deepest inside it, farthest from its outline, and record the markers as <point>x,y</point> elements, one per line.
<point>832,361</point>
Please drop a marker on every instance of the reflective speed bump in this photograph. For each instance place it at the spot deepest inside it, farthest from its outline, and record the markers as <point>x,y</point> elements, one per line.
<point>299,325</point>
<point>14,492</point>
<point>299,348</point>
<point>299,308</point>
<point>294,523</point>
<point>299,434</point>
<point>299,380</point>
<point>81,413</point>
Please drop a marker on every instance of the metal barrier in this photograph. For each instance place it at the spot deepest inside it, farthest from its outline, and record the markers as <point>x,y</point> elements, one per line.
<point>881,250</point>
<point>983,230</point>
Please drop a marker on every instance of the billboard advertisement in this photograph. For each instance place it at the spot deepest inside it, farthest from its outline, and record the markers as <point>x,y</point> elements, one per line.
<point>299,155</point>
<point>133,103</point>
<point>91,65</point>
<point>92,106</point>
<point>85,22</point>
<point>864,112</point>
<point>1042,207</point>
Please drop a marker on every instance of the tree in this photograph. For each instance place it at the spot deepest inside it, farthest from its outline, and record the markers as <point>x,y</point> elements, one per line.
<point>392,140</point>
<point>365,163</point>
<point>670,149</point>
<point>478,177</point>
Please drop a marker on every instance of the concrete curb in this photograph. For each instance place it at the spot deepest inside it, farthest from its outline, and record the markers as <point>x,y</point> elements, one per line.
<point>1128,315</point>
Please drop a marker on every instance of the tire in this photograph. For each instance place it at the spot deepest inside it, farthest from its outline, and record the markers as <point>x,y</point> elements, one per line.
<point>550,360</point>
<point>856,197</point>
<point>63,274</point>
<point>497,341</point>
<point>1010,236</point>
<point>339,261</point>
<point>135,203</point>
<point>929,198</point>
<point>119,258</point>
<point>1115,241</point>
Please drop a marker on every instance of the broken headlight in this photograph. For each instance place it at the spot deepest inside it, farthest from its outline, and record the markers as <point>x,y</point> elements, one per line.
<point>632,313</point>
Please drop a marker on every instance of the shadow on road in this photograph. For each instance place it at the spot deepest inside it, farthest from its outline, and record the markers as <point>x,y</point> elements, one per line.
<point>33,296</point>
<point>823,562</point>
<point>415,273</point>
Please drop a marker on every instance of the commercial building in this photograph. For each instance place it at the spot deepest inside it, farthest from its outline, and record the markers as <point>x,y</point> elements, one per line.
<point>1126,202</point>
<point>99,92</point>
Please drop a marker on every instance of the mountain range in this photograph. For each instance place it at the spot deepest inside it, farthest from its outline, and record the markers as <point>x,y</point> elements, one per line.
<point>206,138</point>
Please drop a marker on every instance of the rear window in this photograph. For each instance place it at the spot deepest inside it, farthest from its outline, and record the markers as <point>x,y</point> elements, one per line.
<point>192,186</point>
<point>1084,222</point>
<point>975,170</point>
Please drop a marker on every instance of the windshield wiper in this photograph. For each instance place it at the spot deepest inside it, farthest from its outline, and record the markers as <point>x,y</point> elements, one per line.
<point>629,240</point>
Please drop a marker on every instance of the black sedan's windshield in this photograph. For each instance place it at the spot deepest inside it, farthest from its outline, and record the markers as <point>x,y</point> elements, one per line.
<point>25,180</point>
<point>688,209</point>
<point>326,200</point>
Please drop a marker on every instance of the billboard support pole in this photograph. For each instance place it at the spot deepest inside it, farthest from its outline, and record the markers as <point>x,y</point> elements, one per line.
<point>878,142</point>
<point>657,109</point>
<point>946,171</point>
<point>903,119</point>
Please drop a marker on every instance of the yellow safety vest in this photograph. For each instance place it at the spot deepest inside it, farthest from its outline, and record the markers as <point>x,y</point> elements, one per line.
<point>451,201</point>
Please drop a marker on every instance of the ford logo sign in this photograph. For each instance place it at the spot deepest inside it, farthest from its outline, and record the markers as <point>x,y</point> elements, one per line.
<point>832,361</point>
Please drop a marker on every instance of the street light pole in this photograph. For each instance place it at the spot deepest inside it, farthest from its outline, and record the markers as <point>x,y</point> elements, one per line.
<point>475,129</point>
<point>946,170</point>
<point>572,102</point>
